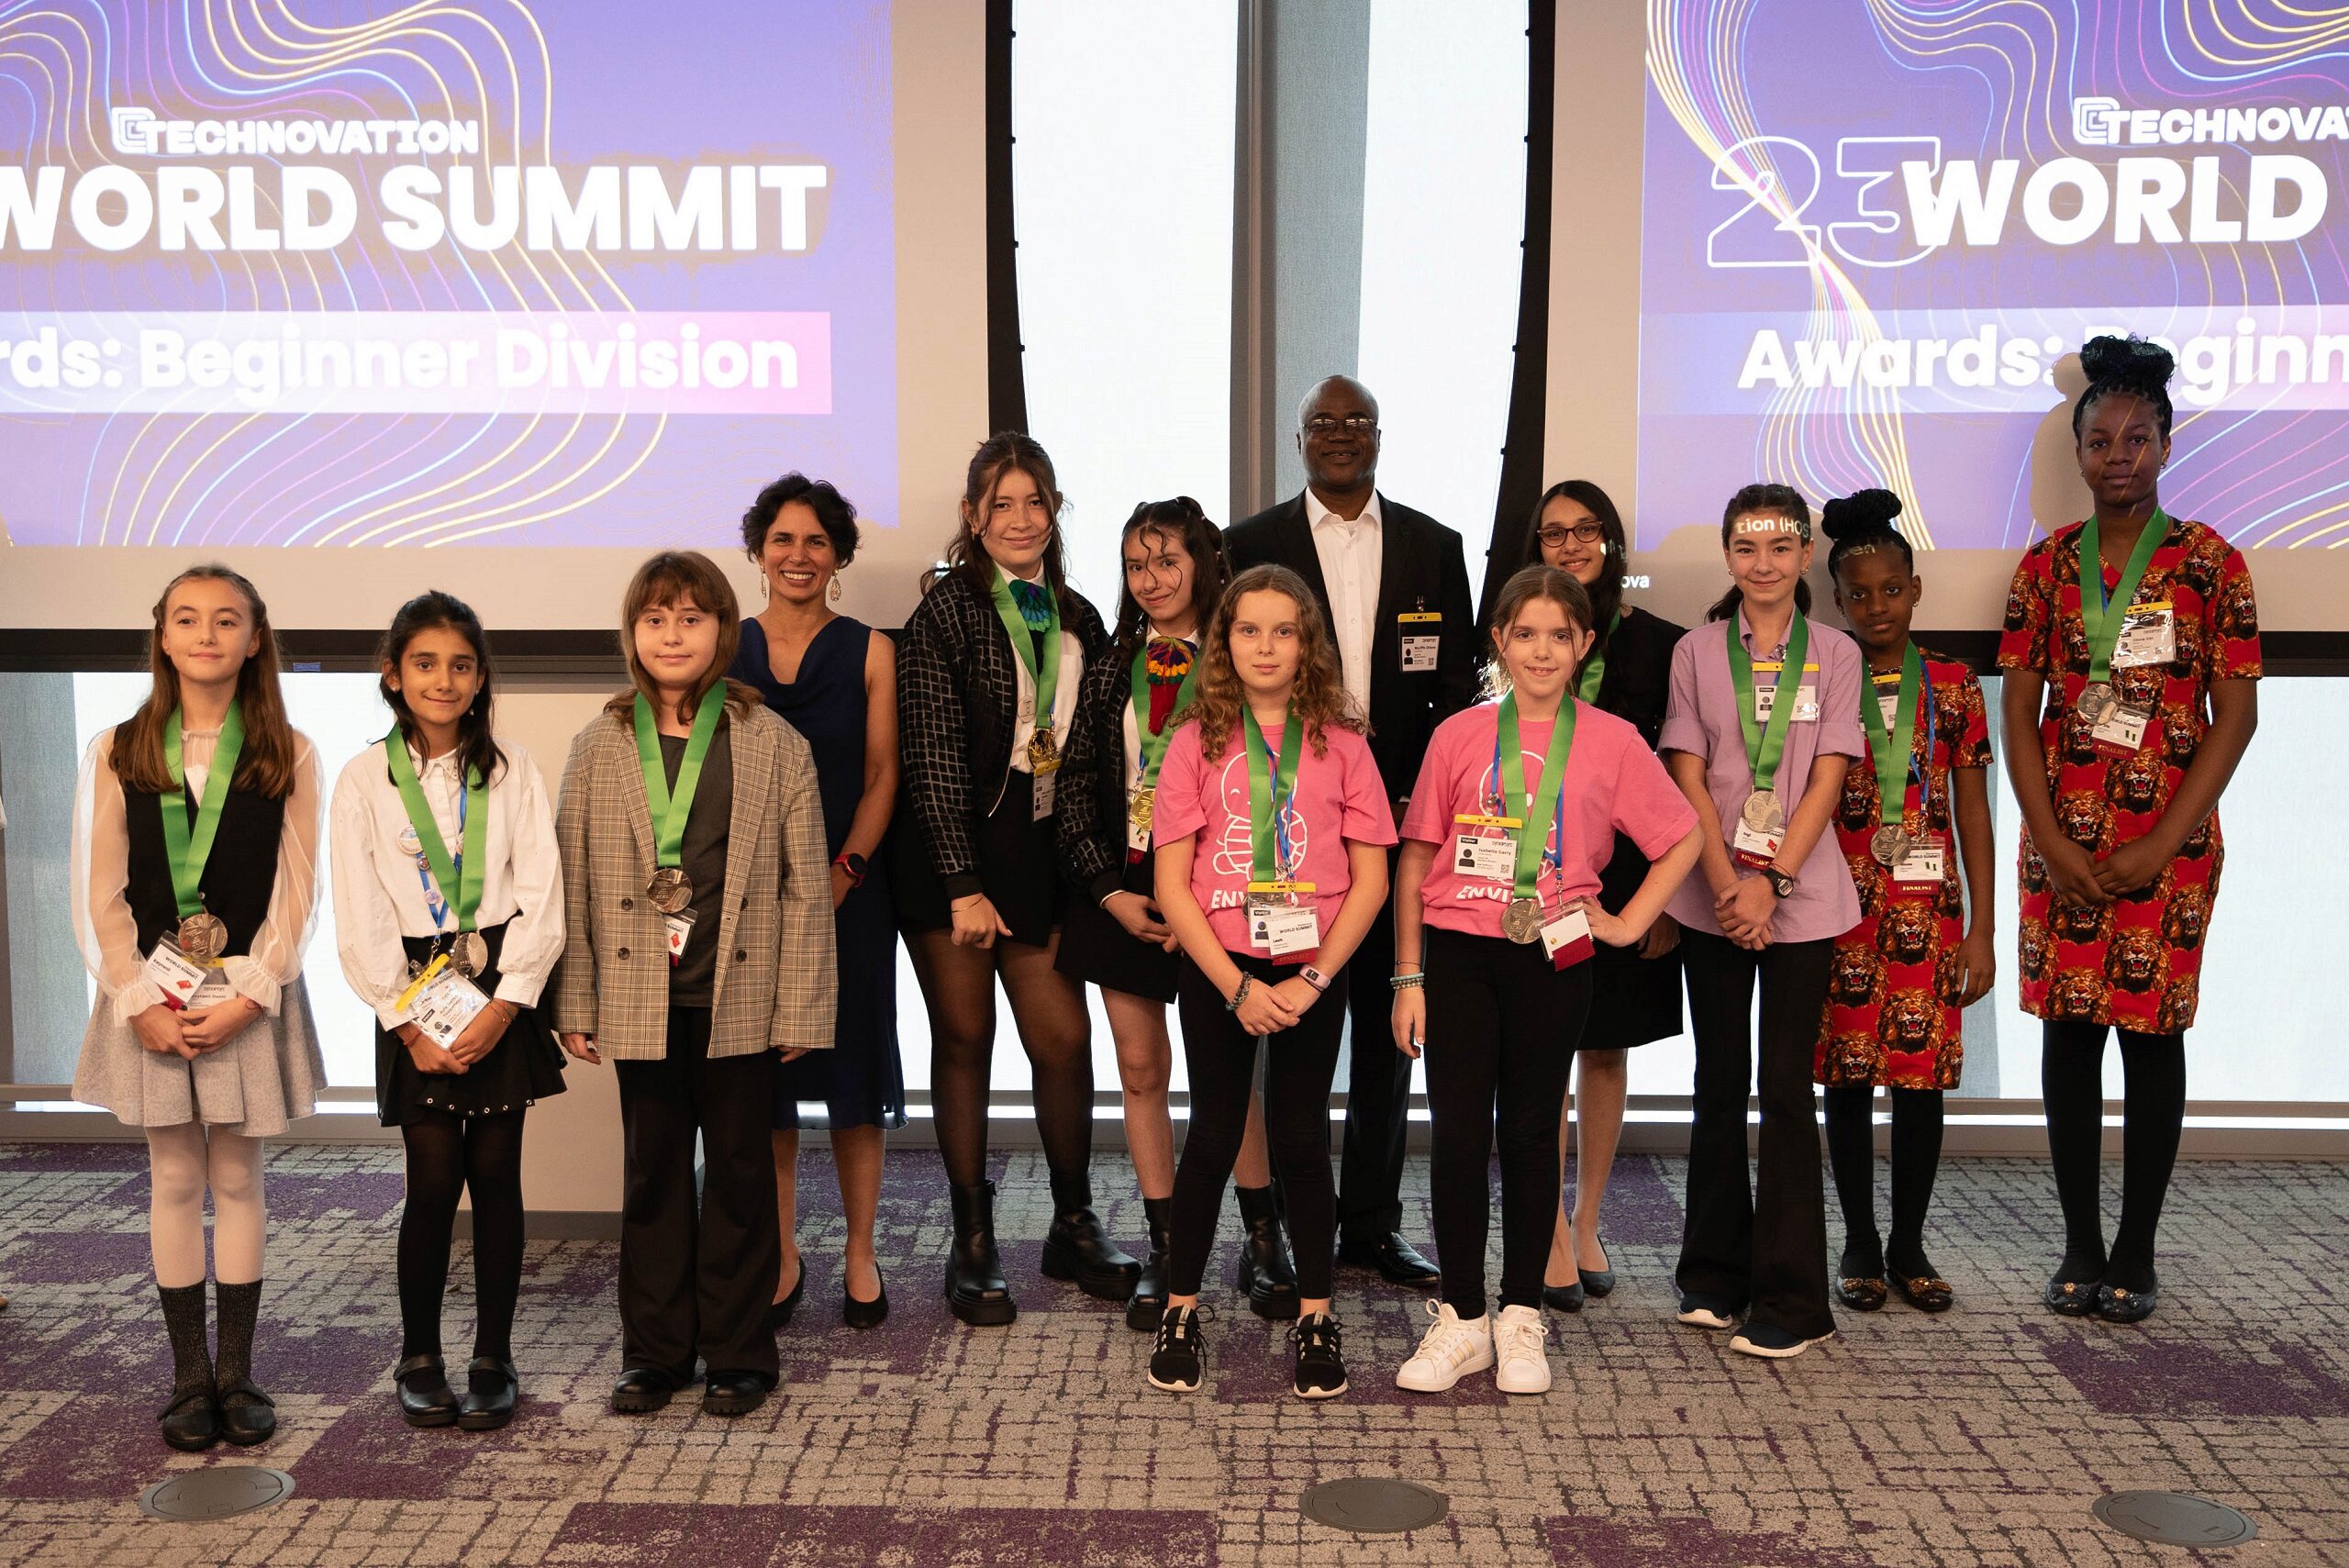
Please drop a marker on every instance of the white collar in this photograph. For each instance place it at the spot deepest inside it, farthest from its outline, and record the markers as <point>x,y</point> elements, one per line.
<point>446,762</point>
<point>1321,517</point>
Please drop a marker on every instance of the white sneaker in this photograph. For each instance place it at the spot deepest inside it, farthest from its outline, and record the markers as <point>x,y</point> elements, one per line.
<point>1517,1351</point>
<point>1450,1350</point>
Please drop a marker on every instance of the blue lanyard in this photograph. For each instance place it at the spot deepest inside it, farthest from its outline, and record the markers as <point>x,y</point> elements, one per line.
<point>434,905</point>
<point>1554,849</point>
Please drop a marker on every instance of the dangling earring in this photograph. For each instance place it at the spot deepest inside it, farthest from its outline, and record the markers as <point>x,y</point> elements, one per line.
<point>833,593</point>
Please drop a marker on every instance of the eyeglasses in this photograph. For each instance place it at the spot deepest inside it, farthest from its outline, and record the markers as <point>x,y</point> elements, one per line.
<point>1556,533</point>
<point>1328,424</point>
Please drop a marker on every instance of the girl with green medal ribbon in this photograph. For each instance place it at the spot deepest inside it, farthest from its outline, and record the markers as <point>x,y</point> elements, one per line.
<point>1920,953</point>
<point>1127,710</point>
<point>1271,866</point>
<point>448,892</point>
<point>1497,915</point>
<point>194,884</point>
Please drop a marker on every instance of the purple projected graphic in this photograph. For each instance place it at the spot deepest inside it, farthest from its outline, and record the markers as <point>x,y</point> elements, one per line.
<point>1872,228</point>
<point>511,271</point>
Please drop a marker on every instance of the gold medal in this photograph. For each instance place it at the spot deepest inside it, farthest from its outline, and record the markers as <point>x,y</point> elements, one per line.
<point>1138,808</point>
<point>203,937</point>
<point>1044,752</point>
<point>669,890</point>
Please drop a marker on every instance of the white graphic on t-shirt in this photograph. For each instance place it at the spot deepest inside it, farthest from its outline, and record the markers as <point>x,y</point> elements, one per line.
<point>1488,797</point>
<point>1235,851</point>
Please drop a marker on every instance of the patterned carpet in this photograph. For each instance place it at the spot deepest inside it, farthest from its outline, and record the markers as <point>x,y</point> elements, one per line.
<point>1981,1437</point>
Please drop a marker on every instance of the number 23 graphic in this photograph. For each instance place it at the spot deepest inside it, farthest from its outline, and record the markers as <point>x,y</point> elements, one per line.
<point>1780,178</point>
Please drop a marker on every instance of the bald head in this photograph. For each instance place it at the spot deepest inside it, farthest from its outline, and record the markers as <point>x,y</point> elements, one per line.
<point>1337,437</point>
<point>1352,394</point>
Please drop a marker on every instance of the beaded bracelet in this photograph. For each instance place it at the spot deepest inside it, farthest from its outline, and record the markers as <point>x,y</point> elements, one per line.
<point>1406,981</point>
<point>1239,996</point>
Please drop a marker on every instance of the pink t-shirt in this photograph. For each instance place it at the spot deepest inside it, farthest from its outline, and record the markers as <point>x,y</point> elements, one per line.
<point>1613,783</point>
<point>1339,796</point>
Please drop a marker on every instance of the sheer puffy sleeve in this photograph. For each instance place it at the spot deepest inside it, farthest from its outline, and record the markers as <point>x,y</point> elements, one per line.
<point>99,887</point>
<point>276,956</point>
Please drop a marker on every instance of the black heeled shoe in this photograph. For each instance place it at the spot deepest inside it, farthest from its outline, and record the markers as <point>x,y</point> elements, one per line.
<point>866,1314</point>
<point>1598,1282</point>
<point>426,1398</point>
<point>1266,1273</point>
<point>491,1387</point>
<point>1147,1305</point>
<point>247,1414</point>
<point>1565,1298</point>
<point>1077,1249</point>
<point>780,1312</point>
<point>191,1422</point>
<point>975,1288</point>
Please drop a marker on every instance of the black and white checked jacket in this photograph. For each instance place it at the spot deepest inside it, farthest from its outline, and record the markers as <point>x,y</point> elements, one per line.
<point>1092,799</point>
<point>958,699</point>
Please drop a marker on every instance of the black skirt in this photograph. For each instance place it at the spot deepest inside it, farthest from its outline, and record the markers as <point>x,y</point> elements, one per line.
<point>1095,949</point>
<point>1019,869</point>
<point>1634,1000</point>
<point>524,1067</point>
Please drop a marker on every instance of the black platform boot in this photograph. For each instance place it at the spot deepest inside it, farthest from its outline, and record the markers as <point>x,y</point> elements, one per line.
<point>1148,1302</point>
<point>975,1288</point>
<point>1077,1249</point>
<point>1266,1274</point>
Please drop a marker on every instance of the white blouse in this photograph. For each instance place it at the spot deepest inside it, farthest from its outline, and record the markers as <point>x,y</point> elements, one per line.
<point>99,880</point>
<point>379,883</point>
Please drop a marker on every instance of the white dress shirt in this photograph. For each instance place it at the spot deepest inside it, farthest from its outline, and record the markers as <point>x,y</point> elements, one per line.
<point>1350,553</point>
<point>1065,681</point>
<point>379,887</point>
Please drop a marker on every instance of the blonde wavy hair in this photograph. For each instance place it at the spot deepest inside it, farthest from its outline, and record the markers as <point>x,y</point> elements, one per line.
<point>1219,699</point>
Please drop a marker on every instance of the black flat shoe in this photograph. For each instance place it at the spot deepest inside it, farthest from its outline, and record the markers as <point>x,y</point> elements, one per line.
<point>1599,1282</point>
<point>426,1398</point>
<point>491,1389</point>
<point>2115,1304</point>
<point>1926,1293</point>
<point>780,1312</point>
<point>1861,1293</point>
<point>1395,1259</point>
<point>1147,1305</point>
<point>1565,1298</point>
<point>191,1422</point>
<point>865,1314</point>
<point>642,1390</point>
<point>2071,1298</point>
<point>733,1393</point>
<point>247,1414</point>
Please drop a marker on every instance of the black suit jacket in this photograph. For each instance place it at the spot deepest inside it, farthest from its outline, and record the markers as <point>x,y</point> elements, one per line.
<point>1422,566</point>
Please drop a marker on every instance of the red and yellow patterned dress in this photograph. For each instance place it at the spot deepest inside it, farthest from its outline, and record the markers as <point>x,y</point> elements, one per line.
<point>2137,962</point>
<point>1892,1018</point>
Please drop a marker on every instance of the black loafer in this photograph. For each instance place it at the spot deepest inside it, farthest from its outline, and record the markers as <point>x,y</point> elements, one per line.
<point>191,1423</point>
<point>780,1313</point>
<point>1861,1293</point>
<point>247,1414</point>
<point>1926,1293</point>
<point>1565,1298</point>
<point>2115,1304</point>
<point>2071,1298</point>
<point>733,1393</point>
<point>865,1314</point>
<point>491,1387</point>
<point>1395,1259</point>
<point>426,1398</point>
<point>642,1390</point>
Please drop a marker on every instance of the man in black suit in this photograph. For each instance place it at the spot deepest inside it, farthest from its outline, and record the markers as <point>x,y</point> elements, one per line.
<point>1394,584</point>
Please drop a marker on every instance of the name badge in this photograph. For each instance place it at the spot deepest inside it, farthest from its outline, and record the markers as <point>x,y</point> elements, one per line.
<point>1567,939</point>
<point>1137,837</point>
<point>178,976</point>
<point>1751,847</point>
<point>2148,636</point>
<point>444,1005</point>
<point>1047,789</point>
<point>1422,635</point>
<point>2120,731</point>
<point>1766,698</point>
<point>1486,860</point>
<point>1285,930</point>
<point>1918,874</point>
<point>680,927</point>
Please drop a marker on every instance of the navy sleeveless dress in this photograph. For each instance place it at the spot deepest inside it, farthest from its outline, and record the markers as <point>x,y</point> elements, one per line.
<point>858,1081</point>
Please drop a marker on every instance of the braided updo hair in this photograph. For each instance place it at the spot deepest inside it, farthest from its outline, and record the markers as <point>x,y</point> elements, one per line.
<point>1862,522</point>
<point>2130,365</point>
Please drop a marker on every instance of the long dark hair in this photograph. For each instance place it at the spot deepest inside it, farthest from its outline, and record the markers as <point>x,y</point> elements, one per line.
<point>1002,453</point>
<point>1860,522</point>
<point>477,750</point>
<point>1606,595</point>
<point>2128,365</point>
<point>1780,500</point>
<point>265,766</point>
<point>1184,521</point>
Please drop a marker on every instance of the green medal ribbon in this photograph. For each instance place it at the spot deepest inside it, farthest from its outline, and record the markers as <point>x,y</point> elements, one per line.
<point>1023,646</point>
<point>460,883</point>
<point>670,808</point>
<point>188,847</point>
<point>1272,788</point>
<point>1764,745</point>
<point>2101,618</point>
<point>1595,671</point>
<point>1543,805</point>
<point>1894,748</point>
<point>1154,746</point>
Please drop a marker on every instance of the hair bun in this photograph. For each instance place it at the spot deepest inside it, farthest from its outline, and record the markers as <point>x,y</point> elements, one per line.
<point>2130,359</point>
<point>1862,512</point>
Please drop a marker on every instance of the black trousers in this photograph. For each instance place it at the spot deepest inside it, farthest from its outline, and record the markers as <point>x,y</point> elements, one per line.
<point>695,1278</point>
<point>1762,1248</point>
<point>1378,1092</point>
<point>1502,1027</point>
<point>1298,1066</point>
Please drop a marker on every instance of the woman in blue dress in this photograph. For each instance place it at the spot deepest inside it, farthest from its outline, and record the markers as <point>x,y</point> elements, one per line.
<point>834,680</point>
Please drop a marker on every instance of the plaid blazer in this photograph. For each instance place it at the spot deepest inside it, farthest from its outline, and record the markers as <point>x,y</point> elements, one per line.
<point>957,706</point>
<point>1092,798</point>
<point>777,986</point>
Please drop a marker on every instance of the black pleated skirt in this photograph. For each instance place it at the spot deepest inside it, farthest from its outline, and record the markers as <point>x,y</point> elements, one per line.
<point>1019,869</point>
<point>524,1067</point>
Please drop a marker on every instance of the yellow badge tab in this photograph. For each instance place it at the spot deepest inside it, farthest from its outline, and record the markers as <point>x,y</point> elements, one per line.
<point>415,986</point>
<point>1421,615</point>
<point>1280,887</point>
<point>1466,821</point>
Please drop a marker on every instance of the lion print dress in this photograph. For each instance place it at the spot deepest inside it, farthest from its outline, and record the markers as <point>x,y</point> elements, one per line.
<point>1892,1016</point>
<point>2135,963</point>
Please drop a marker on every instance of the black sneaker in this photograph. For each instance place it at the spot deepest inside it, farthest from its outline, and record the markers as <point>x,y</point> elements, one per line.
<point>1320,1372</point>
<point>1179,1358</point>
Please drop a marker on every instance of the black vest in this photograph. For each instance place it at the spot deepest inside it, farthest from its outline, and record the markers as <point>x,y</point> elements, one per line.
<point>238,876</point>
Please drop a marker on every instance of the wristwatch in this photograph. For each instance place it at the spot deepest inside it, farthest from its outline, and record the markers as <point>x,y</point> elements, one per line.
<point>1781,882</point>
<point>853,864</point>
<point>1314,977</point>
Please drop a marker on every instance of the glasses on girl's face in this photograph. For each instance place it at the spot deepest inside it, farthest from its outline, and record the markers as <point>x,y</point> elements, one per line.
<point>1556,533</point>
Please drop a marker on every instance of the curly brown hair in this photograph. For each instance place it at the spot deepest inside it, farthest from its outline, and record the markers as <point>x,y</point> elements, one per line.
<point>1320,692</point>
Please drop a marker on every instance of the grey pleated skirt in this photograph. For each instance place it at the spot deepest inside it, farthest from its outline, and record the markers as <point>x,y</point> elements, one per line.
<point>261,1079</point>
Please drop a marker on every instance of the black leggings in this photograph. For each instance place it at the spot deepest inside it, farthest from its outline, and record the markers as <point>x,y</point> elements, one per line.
<point>1916,1157</point>
<point>958,985</point>
<point>1502,1027</point>
<point>1762,1245</point>
<point>2071,1072</point>
<point>1300,1063</point>
<point>445,1156</point>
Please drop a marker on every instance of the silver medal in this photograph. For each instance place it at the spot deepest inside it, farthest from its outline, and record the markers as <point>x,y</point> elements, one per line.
<point>669,890</point>
<point>2096,699</point>
<point>1889,845</point>
<point>1762,813</point>
<point>468,953</point>
<point>1521,921</point>
<point>203,937</point>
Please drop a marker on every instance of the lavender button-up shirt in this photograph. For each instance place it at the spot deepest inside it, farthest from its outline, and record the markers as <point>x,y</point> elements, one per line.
<point>1702,721</point>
